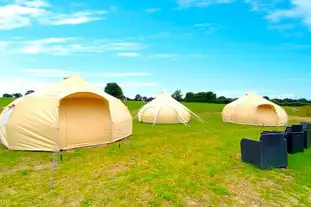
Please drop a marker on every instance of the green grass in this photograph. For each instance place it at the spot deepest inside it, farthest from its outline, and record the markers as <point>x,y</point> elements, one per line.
<point>5,101</point>
<point>162,165</point>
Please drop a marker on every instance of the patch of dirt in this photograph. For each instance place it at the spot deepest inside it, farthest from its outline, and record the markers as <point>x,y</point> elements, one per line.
<point>72,202</point>
<point>43,166</point>
<point>191,202</point>
<point>166,203</point>
<point>244,193</point>
<point>115,169</point>
<point>269,184</point>
<point>287,178</point>
<point>35,167</point>
<point>280,198</point>
<point>9,191</point>
<point>146,196</point>
<point>110,171</point>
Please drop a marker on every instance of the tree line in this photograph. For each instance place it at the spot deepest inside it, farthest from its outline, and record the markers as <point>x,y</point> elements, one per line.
<point>16,95</point>
<point>203,97</point>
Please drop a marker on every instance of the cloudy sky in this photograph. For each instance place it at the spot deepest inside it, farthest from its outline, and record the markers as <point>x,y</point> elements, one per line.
<point>227,46</point>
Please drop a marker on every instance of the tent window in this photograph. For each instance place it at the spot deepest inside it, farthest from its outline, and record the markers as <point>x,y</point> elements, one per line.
<point>6,116</point>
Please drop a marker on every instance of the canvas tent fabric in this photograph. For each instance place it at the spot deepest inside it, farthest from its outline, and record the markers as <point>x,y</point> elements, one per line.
<point>165,110</point>
<point>65,115</point>
<point>253,109</point>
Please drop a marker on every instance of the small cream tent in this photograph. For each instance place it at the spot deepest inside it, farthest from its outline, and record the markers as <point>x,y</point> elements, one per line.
<point>165,110</point>
<point>252,109</point>
<point>65,115</point>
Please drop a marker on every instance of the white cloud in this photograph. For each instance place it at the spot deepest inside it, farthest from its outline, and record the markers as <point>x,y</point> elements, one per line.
<point>152,10</point>
<point>53,46</point>
<point>41,49</point>
<point>156,56</point>
<point>51,40</point>
<point>138,84</point>
<point>260,5</point>
<point>209,27</point>
<point>46,72</point>
<point>237,93</point>
<point>20,85</point>
<point>113,8</point>
<point>200,3</point>
<point>186,35</point>
<point>282,96</point>
<point>128,54</point>
<point>16,16</point>
<point>70,45</point>
<point>130,84</point>
<point>129,74</point>
<point>203,25</point>
<point>160,35</point>
<point>24,13</point>
<point>3,45</point>
<point>283,27</point>
<point>122,46</point>
<point>74,18</point>
<point>37,70</point>
<point>33,3</point>
<point>300,10</point>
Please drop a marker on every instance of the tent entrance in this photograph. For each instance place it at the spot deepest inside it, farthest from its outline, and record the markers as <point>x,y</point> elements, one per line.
<point>84,121</point>
<point>266,115</point>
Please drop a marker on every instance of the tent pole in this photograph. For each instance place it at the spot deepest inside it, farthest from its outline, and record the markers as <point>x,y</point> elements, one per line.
<point>200,119</point>
<point>136,114</point>
<point>185,123</point>
<point>54,160</point>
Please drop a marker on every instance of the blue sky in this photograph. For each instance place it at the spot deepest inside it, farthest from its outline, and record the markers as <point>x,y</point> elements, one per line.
<point>226,46</point>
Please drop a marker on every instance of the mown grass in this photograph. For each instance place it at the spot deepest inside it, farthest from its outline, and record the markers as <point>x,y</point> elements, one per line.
<point>162,165</point>
<point>5,101</point>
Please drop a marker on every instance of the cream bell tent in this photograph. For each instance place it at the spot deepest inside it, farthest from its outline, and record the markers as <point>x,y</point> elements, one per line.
<point>252,109</point>
<point>165,110</point>
<point>69,114</point>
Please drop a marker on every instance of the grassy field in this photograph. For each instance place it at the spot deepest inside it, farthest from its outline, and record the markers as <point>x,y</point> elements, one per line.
<point>160,165</point>
<point>4,102</point>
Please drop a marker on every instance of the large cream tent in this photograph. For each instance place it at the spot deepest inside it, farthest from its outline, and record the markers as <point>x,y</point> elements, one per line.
<point>165,110</point>
<point>65,115</point>
<point>253,109</point>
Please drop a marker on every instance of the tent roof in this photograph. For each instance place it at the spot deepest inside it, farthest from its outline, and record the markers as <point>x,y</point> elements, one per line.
<point>70,85</point>
<point>165,99</point>
<point>254,99</point>
<point>244,110</point>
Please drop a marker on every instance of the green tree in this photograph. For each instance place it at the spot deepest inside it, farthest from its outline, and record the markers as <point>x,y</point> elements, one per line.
<point>138,98</point>
<point>29,92</point>
<point>189,97</point>
<point>115,90</point>
<point>221,100</point>
<point>150,99</point>
<point>6,95</point>
<point>17,95</point>
<point>177,95</point>
<point>205,97</point>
